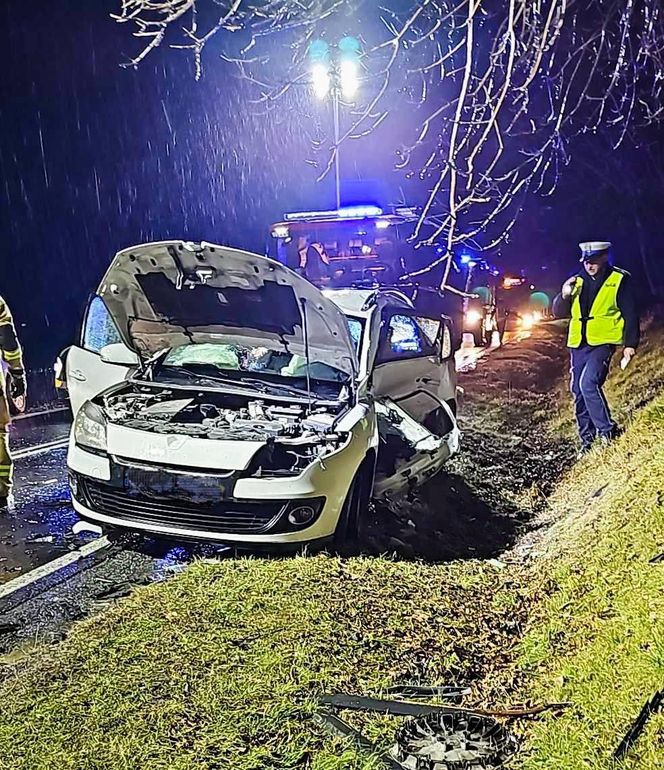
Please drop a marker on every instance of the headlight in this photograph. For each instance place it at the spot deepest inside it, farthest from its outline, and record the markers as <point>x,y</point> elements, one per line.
<point>90,427</point>
<point>527,320</point>
<point>473,317</point>
<point>279,459</point>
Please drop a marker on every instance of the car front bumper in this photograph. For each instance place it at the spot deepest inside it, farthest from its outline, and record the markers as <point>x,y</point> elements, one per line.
<point>221,506</point>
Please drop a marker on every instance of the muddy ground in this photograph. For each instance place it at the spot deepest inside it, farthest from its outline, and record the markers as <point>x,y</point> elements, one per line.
<point>488,496</point>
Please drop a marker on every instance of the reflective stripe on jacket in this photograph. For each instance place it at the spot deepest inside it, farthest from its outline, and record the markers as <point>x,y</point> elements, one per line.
<point>605,324</point>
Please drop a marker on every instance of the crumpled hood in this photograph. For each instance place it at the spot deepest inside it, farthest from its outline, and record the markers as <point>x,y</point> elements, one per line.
<point>171,293</point>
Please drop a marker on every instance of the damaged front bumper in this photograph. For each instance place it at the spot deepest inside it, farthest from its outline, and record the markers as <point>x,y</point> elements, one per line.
<point>213,502</point>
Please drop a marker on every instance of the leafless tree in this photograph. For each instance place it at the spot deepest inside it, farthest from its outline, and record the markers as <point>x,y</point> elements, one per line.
<point>498,89</point>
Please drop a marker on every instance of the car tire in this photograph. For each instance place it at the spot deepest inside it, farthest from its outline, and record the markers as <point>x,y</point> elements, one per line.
<point>356,503</point>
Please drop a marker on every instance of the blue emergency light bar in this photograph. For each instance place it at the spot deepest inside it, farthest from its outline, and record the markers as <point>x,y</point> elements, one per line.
<point>349,212</point>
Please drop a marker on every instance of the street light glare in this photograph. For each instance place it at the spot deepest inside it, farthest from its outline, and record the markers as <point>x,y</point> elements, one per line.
<point>348,76</point>
<point>320,80</point>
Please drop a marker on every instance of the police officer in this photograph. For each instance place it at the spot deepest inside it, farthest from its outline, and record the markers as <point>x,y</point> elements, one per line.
<point>16,384</point>
<point>601,305</point>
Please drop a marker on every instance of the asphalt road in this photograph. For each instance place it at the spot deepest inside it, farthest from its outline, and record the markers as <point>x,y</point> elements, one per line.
<point>37,527</point>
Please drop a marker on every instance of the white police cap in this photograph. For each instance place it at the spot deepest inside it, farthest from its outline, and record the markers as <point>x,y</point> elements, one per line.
<point>590,248</point>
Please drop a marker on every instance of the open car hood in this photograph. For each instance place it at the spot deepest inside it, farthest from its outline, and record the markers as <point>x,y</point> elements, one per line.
<point>171,293</point>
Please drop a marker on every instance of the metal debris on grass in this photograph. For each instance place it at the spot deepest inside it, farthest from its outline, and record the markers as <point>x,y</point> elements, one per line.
<point>434,737</point>
<point>453,742</point>
<point>637,727</point>
<point>416,691</point>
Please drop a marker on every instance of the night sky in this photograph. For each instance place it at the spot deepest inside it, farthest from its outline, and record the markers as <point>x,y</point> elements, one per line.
<point>94,157</point>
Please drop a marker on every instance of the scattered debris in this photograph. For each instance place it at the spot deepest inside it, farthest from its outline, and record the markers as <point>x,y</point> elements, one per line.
<point>656,559</point>
<point>414,691</point>
<point>333,724</point>
<point>434,737</point>
<point>637,727</point>
<point>403,708</point>
<point>599,492</point>
<point>453,742</point>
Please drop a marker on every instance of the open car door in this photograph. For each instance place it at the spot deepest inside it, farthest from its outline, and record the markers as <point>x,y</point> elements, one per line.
<point>88,372</point>
<point>415,366</point>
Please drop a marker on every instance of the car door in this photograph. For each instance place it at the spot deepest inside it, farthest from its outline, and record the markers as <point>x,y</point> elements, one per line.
<point>87,373</point>
<point>414,362</point>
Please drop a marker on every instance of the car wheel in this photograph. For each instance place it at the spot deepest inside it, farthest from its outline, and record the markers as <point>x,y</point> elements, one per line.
<point>355,505</point>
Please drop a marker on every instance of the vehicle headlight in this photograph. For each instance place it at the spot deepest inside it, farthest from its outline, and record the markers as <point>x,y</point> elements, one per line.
<point>280,459</point>
<point>473,317</point>
<point>527,321</point>
<point>90,427</point>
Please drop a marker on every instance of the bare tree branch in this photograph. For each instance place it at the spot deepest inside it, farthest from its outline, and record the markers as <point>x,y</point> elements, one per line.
<point>497,89</point>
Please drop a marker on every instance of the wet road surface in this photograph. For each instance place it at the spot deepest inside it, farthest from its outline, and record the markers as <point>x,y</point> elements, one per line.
<point>37,527</point>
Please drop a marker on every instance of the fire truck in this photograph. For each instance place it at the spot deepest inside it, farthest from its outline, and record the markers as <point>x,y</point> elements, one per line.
<point>359,247</point>
<point>358,244</point>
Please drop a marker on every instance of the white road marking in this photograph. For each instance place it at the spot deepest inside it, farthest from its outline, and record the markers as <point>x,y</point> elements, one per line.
<point>39,448</point>
<point>27,415</point>
<point>22,581</point>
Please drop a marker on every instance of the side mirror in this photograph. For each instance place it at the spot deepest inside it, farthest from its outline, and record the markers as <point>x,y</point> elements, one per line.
<point>118,354</point>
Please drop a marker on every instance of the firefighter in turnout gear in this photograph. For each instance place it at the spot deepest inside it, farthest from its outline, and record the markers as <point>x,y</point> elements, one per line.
<point>14,387</point>
<point>601,306</point>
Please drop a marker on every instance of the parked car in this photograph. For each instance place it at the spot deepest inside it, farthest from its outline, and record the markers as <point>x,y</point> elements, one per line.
<point>220,396</point>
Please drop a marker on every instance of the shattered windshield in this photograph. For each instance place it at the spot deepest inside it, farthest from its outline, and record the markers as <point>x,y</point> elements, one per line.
<point>234,361</point>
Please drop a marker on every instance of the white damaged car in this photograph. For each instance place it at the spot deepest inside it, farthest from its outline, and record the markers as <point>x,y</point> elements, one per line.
<point>220,396</point>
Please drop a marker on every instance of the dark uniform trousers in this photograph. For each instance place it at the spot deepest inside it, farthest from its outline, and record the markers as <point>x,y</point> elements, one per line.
<point>589,369</point>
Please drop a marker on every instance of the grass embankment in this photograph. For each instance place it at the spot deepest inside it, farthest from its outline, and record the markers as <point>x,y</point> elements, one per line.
<point>596,637</point>
<point>596,633</point>
<point>220,667</point>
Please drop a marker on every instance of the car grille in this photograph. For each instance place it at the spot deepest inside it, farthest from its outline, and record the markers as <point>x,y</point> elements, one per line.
<point>225,516</point>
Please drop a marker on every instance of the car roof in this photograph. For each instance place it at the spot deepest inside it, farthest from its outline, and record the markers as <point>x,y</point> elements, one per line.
<point>362,301</point>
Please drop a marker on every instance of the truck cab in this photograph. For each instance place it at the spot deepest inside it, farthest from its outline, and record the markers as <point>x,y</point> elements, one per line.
<point>350,246</point>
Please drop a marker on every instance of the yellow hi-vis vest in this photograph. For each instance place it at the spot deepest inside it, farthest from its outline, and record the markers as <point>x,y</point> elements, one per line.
<point>605,324</point>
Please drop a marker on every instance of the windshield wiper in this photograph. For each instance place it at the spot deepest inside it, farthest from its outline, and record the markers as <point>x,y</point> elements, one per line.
<point>266,385</point>
<point>192,374</point>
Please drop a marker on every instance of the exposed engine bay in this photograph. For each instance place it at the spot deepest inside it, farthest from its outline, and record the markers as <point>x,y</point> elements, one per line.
<point>215,416</point>
<point>292,436</point>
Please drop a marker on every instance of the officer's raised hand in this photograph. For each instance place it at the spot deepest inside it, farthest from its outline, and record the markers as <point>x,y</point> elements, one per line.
<point>568,287</point>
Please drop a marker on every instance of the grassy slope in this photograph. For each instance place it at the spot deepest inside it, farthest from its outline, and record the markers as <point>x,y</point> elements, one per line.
<point>224,662</point>
<point>219,667</point>
<point>597,636</point>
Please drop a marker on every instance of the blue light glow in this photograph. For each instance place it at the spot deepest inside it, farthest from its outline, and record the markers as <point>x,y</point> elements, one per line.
<point>349,212</point>
<point>319,51</point>
<point>349,45</point>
